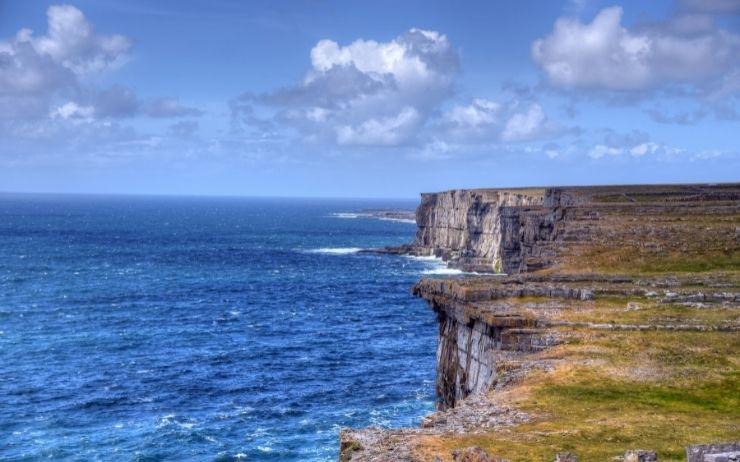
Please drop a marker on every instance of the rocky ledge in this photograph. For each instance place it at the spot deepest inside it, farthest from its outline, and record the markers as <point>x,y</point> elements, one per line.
<point>616,329</point>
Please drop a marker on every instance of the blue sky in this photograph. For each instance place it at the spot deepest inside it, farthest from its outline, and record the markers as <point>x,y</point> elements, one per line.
<point>365,99</point>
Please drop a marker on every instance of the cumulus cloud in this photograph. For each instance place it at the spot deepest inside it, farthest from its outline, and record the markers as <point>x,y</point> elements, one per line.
<point>486,120</point>
<point>47,81</point>
<point>364,93</point>
<point>388,131</point>
<point>72,110</point>
<point>525,125</point>
<point>384,94</point>
<point>72,42</point>
<point>606,55</point>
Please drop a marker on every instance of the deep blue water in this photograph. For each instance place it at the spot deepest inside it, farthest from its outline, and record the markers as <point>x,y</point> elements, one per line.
<point>142,328</point>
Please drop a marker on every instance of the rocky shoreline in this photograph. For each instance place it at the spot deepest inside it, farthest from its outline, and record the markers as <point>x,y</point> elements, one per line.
<point>591,272</point>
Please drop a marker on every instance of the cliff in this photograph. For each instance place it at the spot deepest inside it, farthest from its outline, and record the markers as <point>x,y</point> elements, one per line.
<point>617,328</point>
<point>524,230</point>
<point>475,230</point>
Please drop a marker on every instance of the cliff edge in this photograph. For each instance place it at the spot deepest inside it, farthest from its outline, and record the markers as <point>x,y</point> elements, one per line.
<point>613,335</point>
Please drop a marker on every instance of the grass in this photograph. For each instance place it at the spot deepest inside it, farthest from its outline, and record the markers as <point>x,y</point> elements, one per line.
<point>697,264</point>
<point>648,311</point>
<point>628,260</point>
<point>616,391</point>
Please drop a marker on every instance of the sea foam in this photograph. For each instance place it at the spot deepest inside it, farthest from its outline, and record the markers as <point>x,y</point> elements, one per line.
<point>447,271</point>
<point>335,250</point>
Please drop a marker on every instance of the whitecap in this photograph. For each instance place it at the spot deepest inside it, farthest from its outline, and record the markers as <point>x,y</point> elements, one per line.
<point>425,258</point>
<point>335,250</point>
<point>348,215</point>
<point>399,220</point>
<point>447,271</point>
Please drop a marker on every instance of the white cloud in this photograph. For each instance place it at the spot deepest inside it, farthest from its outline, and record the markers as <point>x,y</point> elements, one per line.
<point>51,103</point>
<point>72,42</point>
<point>480,112</point>
<point>388,131</point>
<point>601,150</point>
<point>484,120</point>
<point>644,148</point>
<point>364,93</point>
<point>72,110</point>
<point>44,74</point>
<point>604,54</point>
<point>525,125</point>
<point>384,94</point>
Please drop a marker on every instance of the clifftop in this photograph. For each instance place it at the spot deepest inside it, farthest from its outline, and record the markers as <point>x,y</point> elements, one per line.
<point>617,328</point>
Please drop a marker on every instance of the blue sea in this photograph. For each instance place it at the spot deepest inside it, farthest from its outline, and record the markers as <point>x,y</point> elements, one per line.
<point>204,329</point>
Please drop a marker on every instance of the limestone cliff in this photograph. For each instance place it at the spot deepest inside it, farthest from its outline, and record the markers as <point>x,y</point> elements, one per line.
<point>473,229</point>
<point>524,230</point>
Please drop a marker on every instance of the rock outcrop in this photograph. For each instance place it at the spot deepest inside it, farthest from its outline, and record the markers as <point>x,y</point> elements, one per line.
<point>476,230</point>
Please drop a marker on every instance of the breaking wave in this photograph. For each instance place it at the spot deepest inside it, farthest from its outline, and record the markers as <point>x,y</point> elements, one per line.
<point>335,250</point>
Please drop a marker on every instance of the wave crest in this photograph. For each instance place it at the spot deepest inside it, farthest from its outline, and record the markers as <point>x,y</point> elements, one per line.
<point>335,250</point>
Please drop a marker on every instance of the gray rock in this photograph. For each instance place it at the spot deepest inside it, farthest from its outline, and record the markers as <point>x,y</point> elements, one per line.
<point>721,452</point>
<point>566,457</point>
<point>639,455</point>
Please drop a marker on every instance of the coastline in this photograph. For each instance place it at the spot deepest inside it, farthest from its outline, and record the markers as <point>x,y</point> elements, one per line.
<point>605,286</point>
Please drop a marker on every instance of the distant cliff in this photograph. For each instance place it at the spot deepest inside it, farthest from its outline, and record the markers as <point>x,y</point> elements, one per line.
<point>477,230</point>
<point>524,230</point>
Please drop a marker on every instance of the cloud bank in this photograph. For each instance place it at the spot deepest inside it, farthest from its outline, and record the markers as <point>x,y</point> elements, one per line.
<point>606,55</point>
<point>48,90</point>
<point>386,94</point>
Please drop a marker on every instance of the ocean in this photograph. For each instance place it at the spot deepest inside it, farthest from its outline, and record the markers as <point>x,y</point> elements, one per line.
<point>205,329</point>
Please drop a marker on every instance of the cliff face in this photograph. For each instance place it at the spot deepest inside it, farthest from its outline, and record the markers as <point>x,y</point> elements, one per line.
<point>473,229</point>
<point>476,337</point>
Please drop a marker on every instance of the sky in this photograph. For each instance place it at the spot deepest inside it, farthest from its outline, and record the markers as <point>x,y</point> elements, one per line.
<point>365,99</point>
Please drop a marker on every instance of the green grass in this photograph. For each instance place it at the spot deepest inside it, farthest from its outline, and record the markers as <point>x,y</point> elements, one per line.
<point>689,265</point>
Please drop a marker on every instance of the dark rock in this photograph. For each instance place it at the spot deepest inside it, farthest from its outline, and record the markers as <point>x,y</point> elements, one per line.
<point>640,455</point>
<point>566,457</point>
